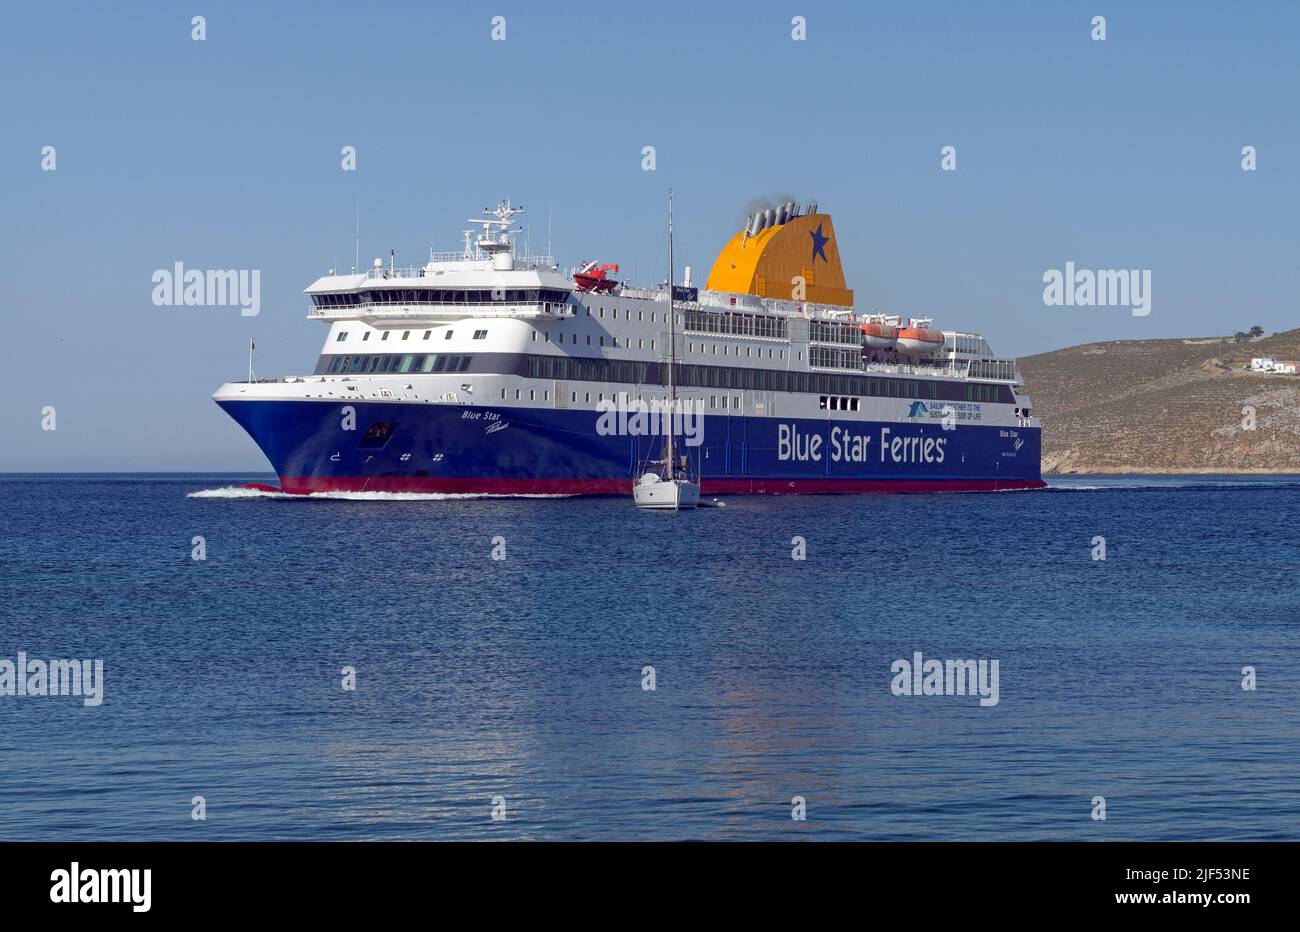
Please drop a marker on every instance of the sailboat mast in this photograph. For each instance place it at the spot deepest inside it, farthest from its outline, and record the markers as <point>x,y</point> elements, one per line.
<point>672,340</point>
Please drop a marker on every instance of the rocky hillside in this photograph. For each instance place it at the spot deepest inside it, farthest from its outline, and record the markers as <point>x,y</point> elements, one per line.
<point>1167,406</point>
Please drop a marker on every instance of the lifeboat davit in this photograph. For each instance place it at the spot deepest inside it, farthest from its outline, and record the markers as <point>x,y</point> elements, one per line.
<point>919,340</point>
<point>878,336</point>
<point>590,278</point>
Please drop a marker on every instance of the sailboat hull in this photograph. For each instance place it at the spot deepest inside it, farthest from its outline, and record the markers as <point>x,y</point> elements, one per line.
<point>666,495</point>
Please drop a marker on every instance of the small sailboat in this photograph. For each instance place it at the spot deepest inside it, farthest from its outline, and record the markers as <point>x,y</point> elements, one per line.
<point>668,483</point>
<point>660,488</point>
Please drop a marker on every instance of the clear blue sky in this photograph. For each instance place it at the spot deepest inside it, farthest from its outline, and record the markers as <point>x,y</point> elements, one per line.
<point>225,154</point>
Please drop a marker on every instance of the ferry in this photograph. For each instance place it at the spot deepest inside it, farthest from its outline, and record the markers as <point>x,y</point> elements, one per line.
<point>491,371</point>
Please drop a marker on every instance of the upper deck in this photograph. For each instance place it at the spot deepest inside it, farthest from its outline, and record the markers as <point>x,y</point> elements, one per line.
<point>486,280</point>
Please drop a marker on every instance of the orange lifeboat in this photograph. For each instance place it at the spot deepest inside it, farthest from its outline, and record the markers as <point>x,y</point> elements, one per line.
<point>591,278</point>
<point>919,340</point>
<point>877,335</point>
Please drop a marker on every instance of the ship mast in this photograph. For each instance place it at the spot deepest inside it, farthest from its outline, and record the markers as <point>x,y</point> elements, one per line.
<point>672,341</point>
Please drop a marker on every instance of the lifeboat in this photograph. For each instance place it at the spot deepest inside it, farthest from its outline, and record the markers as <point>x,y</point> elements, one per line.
<point>878,336</point>
<point>591,278</point>
<point>919,340</point>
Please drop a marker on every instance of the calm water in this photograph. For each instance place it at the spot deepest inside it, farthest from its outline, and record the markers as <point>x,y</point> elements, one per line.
<point>522,678</point>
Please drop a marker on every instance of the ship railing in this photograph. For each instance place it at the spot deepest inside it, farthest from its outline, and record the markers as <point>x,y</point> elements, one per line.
<point>949,372</point>
<point>521,263</point>
<point>410,271</point>
<point>448,309</point>
<point>647,294</point>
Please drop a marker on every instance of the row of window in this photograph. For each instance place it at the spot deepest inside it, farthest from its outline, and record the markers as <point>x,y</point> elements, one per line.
<point>831,331</point>
<point>715,402</point>
<point>633,372</point>
<point>737,324</point>
<point>829,357</point>
<point>565,368</point>
<point>613,341</point>
<point>441,296</point>
<point>750,351</point>
<point>627,314</point>
<point>818,356</point>
<point>382,363</point>
<point>992,369</point>
<point>642,343</point>
<point>406,335</point>
<point>731,323</point>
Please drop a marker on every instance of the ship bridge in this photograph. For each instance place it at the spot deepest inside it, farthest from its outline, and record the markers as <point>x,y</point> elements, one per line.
<point>485,279</point>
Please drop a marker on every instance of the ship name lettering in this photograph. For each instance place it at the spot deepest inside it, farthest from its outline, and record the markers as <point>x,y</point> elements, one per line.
<point>792,445</point>
<point>915,449</point>
<point>848,447</point>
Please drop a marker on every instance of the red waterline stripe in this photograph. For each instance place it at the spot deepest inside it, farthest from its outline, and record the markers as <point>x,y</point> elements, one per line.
<point>464,485</point>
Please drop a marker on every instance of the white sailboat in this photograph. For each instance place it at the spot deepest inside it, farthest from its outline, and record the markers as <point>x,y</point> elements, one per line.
<point>667,483</point>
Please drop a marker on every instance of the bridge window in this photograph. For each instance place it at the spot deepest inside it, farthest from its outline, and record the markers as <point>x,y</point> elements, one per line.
<point>343,335</point>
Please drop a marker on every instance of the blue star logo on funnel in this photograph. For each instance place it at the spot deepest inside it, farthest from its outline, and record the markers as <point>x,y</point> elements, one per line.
<point>819,243</point>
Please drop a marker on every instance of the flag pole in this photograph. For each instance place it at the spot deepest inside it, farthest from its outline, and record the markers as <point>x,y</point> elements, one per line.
<point>251,346</point>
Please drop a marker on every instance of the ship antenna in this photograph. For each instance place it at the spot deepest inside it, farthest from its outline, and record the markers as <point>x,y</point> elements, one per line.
<point>356,262</point>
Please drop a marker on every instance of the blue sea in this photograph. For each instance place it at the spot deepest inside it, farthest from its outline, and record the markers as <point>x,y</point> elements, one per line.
<point>517,685</point>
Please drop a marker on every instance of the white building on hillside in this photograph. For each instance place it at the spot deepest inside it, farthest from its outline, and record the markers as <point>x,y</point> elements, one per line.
<point>1269,364</point>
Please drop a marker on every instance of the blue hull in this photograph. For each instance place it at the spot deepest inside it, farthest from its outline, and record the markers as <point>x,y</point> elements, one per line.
<point>505,450</point>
